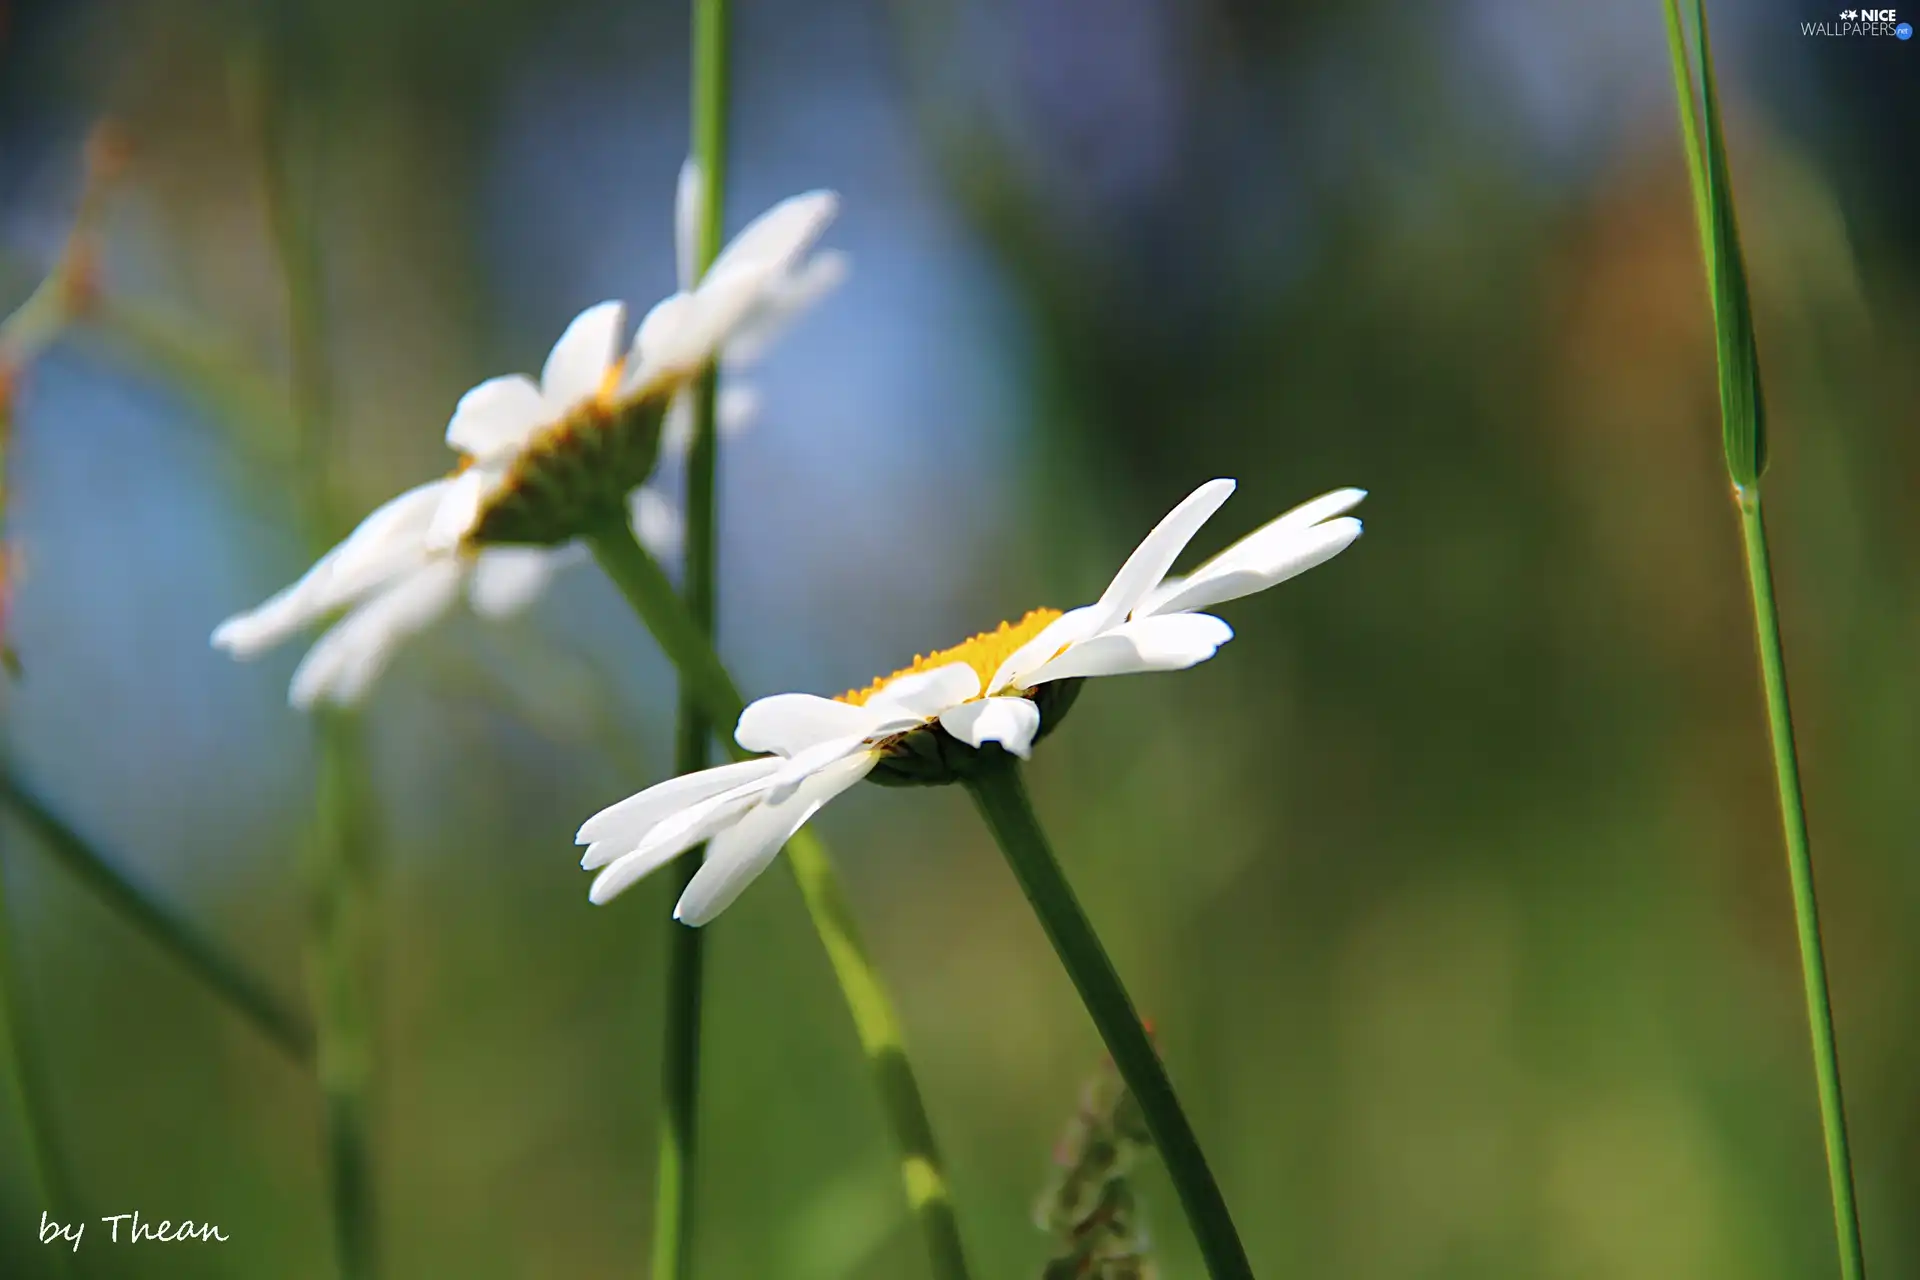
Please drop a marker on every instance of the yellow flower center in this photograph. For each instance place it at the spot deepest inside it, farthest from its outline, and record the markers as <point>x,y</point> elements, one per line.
<point>984,653</point>
<point>609,383</point>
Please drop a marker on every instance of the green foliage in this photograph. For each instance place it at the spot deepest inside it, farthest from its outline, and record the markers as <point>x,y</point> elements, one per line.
<point>1742,406</point>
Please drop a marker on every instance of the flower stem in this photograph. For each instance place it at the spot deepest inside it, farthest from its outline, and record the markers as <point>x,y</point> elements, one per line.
<point>22,1072</point>
<point>199,955</point>
<point>341,883</point>
<point>1793,821</point>
<point>339,960</point>
<point>875,1020</point>
<point>878,1028</point>
<point>1001,796</point>
<point>674,1183</point>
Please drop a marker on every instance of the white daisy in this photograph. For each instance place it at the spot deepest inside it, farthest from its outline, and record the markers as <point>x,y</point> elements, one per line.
<point>592,422</point>
<point>926,723</point>
<point>550,460</point>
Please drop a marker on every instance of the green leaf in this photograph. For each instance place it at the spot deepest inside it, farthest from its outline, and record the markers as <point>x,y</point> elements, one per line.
<point>1742,406</point>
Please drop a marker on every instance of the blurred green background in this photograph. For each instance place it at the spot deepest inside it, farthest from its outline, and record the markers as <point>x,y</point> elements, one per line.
<point>1454,886</point>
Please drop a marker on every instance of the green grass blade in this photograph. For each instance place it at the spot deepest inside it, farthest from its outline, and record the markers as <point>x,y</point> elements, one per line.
<point>215,970</point>
<point>1687,96</point>
<point>343,914</point>
<point>1743,431</point>
<point>676,1181</point>
<point>1742,408</point>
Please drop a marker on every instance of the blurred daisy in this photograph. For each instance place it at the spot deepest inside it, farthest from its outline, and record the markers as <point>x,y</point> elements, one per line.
<point>927,723</point>
<point>548,461</point>
<point>543,462</point>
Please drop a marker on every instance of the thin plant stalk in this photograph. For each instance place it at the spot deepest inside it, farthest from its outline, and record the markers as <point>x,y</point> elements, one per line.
<point>1743,434</point>
<point>27,1086</point>
<point>339,958</point>
<point>1000,794</point>
<point>340,879</point>
<point>195,952</point>
<point>876,1023</point>
<point>1806,911</point>
<point>674,1184</point>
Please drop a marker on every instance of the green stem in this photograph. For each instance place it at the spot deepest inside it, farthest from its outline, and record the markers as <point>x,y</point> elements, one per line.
<point>875,1020</point>
<point>646,586</point>
<point>675,1185</point>
<point>339,958</point>
<point>1689,110</point>
<point>173,934</point>
<point>28,1084</point>
<point>1793,821</point>
<point>1001,796</point>
<point>341,913</point>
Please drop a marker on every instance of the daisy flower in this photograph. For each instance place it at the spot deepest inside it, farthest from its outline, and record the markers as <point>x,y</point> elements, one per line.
<point>543,462</point>
<point>546,462</point>
<point>930,722</point>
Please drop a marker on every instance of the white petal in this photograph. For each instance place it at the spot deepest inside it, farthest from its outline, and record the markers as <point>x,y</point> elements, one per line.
<point>1069,628</point>
<point>623,872</point>
<point>784,300</point>
<point>632,818</point>
<point>733,413</point>
<point>1155,555</point>
<point>737,856</point>
<point>673,836</point>
<point>720,305</point>
<point>270,623</point>
<point>389,539</point>
<point>1172,643</point>
<point>735,409</point>
<point>676,427</point>
<point>772,242</point>
<point>925,694</point>
<point>508,579</point>
<point>1272,542</point>
<point>460,507</point>
<point>387,543</point>
<point>665,346</point>
<point>345,661</point>
<point>496,417</point>
<point>578,363</point>
<point>747,273</point>
<point>657,523</point>
<point>1325,507</point>
<point>689,210</point>
<point>1265,558</point>
<point>789,723</point>
<point>822,757</point>
<point>1011,722</point>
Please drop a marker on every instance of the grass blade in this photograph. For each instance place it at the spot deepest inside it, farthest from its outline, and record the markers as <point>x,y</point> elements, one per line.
<point>1743,433</point>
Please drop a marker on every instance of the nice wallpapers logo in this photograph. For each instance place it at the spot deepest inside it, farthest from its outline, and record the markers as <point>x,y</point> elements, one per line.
<point>1861,22</point>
